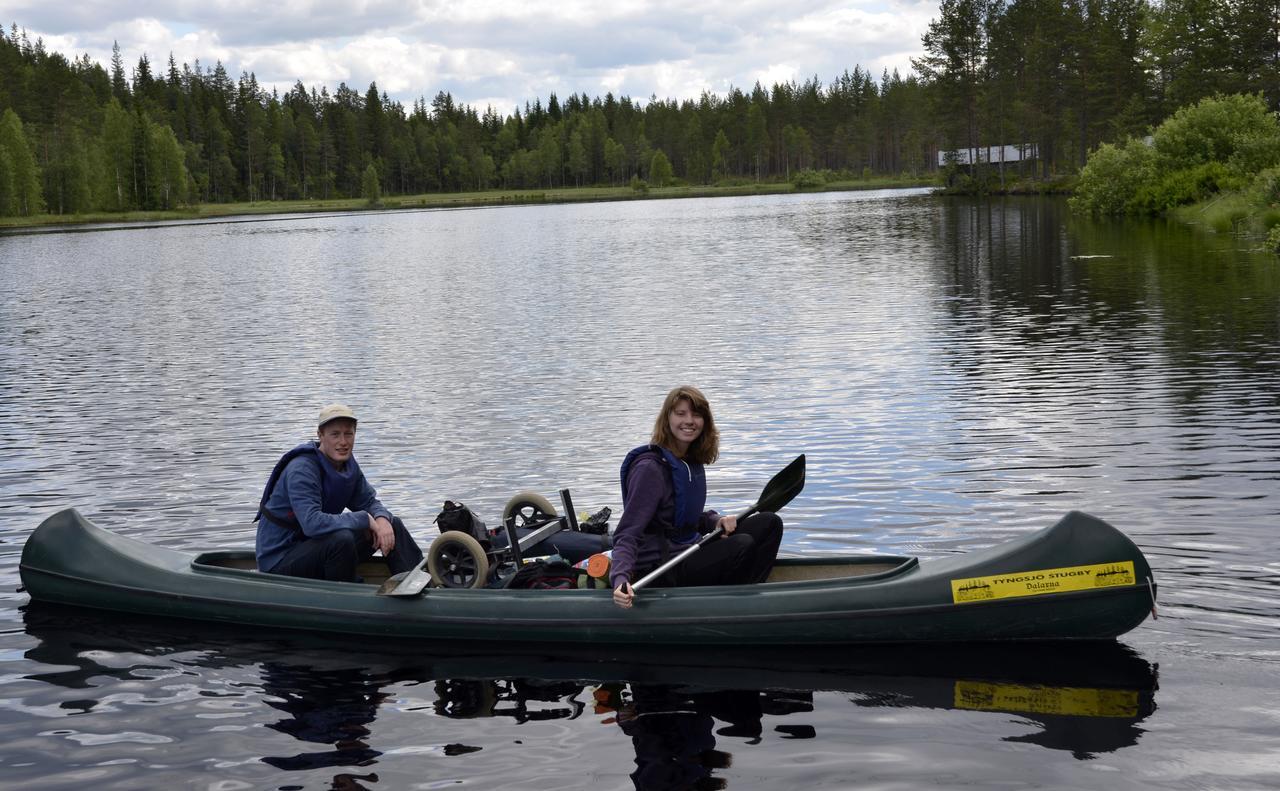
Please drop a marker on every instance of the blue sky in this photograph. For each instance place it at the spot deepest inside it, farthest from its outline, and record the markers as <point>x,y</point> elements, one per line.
<point>497,53</point>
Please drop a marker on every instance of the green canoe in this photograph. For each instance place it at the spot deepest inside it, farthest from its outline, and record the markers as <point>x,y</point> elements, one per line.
<point>1080,579</point>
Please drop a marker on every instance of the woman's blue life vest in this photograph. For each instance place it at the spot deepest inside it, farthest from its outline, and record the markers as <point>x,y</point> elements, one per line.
<point>287,519</point>
<point>688,484</point>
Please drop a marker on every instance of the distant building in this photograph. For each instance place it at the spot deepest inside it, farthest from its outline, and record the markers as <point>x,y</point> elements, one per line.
<point>993,155</point>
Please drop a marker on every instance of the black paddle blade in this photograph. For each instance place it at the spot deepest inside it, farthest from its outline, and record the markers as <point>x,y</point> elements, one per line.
<point>783,487</point>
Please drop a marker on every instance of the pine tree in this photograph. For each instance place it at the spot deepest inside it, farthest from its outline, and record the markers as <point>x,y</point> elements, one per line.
<point>119,87</point>
<point>757,142</point>
<point>955,56</point>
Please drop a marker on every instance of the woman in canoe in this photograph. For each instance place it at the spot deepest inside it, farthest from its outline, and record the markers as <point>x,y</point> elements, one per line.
<point>664,493</point>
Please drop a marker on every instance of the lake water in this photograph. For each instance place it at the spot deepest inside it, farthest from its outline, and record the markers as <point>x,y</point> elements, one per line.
<point>959,373</point>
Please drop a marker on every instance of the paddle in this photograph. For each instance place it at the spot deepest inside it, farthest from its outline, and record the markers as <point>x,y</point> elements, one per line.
<point>779,491</point>
<point>406,583</point>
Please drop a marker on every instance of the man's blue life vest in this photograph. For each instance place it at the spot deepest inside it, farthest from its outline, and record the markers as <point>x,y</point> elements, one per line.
<point>688,484</point>
<point>288,520</point>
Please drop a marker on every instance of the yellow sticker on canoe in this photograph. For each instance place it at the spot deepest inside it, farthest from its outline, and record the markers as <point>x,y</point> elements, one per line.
<point>1036,583</point>
<point>1074,701</point>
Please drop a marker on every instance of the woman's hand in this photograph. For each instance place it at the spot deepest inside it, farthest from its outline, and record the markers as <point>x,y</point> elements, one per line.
<point>623,596</point>
<point>728,524</point>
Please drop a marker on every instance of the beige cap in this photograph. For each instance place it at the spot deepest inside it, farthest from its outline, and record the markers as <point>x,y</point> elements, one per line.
<point>335,411</point>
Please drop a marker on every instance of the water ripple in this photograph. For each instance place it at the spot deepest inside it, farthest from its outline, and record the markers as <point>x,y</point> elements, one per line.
<point>958,374</point>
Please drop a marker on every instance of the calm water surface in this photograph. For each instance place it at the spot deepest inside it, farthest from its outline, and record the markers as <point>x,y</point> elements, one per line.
<point>958,374</point>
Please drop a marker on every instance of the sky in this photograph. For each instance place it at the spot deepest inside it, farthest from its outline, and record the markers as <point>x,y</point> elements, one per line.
<point>493,53</point>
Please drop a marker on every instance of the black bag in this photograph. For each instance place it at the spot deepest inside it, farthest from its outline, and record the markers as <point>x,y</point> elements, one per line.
<point>598,523</point>
<point>457,516</point>
<point>548,575</point>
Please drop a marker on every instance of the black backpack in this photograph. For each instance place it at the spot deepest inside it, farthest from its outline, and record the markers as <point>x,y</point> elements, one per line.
<point>547,575</point>
<point>457,516</point>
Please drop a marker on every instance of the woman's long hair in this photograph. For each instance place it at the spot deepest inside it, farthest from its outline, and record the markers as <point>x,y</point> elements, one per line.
<point>706,448</point>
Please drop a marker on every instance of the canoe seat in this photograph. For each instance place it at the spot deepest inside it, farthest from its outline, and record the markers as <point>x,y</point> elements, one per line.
<point>374,571</point>
<point>788,572</point>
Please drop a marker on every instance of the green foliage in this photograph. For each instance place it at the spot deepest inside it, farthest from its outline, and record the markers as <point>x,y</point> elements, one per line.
<point>1255,154</point>
<point>807,179</point>
<point>1226,213</point>
<point>1109,183</point>
<point>69,176</point>
<point>118,155</point>
<point>1264,196</point>
<point>7,202</point>
<point>720,150</point>
<point>1238,131</point>
<point>615,160</point>
<point>639,185</point>
<point>660,173</point>
<point>1213,146</point>
<point>1182,186</point>
<point>100,149</point>
<point>165,174</point>
<point>20,188</point>
<point>371,188</point>
<point>1273,239</point>
<point>1265,188</point>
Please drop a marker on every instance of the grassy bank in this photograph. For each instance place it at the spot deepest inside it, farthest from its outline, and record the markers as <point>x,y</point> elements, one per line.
<point>1247,213</point>
<point>453,200</point>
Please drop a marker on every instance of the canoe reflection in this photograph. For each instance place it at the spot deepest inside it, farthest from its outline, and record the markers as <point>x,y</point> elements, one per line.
<point>1085,698</point>
<point>1084,720</point>
<point>676,706</point>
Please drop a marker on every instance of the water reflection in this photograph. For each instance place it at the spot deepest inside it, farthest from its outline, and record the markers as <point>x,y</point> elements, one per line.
<point>685,713</point>
<point>329,707</point>
<point>673,729</point>
<point>673,733</point>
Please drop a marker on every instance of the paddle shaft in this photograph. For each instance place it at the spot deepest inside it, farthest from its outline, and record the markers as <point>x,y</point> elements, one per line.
<point>678,559</point>
<point>779,491</point>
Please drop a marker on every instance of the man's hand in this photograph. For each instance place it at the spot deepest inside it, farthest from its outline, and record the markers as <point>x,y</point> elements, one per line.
<point>384,538</point>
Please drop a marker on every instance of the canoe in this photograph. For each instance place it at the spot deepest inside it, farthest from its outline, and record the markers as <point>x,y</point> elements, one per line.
<point>1079,579</point>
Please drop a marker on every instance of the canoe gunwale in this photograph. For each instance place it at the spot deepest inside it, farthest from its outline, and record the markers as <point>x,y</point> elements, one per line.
<point>217,563</point>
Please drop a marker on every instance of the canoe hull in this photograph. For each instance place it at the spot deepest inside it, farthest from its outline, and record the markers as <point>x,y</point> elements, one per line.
<point>68,560</point>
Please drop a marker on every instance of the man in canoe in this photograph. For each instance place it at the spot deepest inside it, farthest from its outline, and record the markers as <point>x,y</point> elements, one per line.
<point>319,517</point>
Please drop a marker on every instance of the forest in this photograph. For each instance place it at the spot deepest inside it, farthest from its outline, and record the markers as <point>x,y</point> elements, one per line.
<point>77,136</point>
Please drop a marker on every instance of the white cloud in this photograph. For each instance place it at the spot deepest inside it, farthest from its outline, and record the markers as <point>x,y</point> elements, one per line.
<point>504,52</point>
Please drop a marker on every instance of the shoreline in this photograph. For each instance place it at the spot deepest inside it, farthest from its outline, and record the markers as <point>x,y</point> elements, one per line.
<point>261,210</point>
